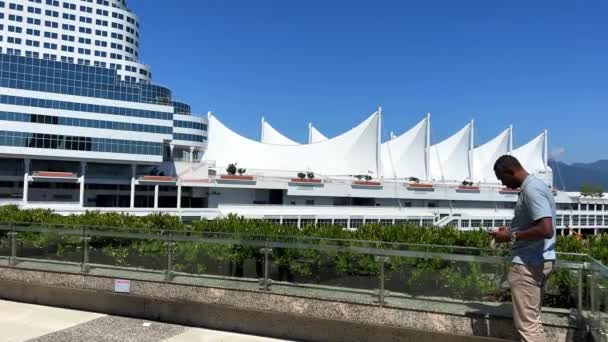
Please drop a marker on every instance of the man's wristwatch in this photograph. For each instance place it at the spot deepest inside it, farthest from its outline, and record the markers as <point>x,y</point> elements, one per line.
<point>513,238</point>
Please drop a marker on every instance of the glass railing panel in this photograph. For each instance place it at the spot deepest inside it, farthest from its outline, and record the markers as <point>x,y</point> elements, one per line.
<point>137,257</point>
<point>47,247</point>
<point>325,273</point>
<point>230,265</point>
<point>562,287</point>
<point>597,317</point>
<point>441,279</point>
<point>5,247</point>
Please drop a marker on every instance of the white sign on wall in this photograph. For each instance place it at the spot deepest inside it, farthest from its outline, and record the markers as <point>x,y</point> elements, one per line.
<point>122,286</point>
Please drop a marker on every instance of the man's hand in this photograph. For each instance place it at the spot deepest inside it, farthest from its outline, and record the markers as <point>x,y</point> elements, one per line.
<point>502,234</point>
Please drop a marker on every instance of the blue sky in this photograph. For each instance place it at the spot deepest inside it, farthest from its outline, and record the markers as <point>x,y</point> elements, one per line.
<point>533,64</point>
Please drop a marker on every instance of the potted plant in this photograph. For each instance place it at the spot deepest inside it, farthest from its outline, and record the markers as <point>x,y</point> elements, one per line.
<point>365,180</point>
<point>414,184</point>
<point>305,178</point>
<point>231,173</point>
<point>231,169</point>
<point>467,186</point>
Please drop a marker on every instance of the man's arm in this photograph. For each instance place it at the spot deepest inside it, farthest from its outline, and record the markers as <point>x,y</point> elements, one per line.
<point>541,229</point>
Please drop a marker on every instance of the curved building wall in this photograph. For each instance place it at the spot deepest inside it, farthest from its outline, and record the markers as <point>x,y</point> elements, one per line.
<point>97,33</point>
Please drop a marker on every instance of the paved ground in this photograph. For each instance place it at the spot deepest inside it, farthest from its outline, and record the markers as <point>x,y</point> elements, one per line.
<point>33,323</point>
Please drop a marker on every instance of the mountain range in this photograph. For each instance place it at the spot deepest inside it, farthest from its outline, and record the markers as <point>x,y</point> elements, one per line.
<point>571,177</point>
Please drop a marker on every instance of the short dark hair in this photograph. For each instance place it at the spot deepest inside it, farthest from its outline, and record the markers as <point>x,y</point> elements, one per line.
<point>507,164</point>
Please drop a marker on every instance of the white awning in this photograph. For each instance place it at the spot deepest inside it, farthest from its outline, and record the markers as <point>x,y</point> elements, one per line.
<point>354,152</point>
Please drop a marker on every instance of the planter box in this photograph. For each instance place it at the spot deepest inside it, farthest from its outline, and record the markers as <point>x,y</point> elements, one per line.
<point>237,178</point>
<point>157,178</point>
<point>509,191</point>
<point>315,182</point>
<point>367,184</point>
<point>467,188</point>
<point>420,187</point>
<point>51,174</point>
<point>305,180</point>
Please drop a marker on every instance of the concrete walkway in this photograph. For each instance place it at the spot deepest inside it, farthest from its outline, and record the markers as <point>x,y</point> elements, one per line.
<point>25,322</point>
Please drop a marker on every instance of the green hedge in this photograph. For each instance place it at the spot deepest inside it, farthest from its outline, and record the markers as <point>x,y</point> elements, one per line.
<point>404,274</point>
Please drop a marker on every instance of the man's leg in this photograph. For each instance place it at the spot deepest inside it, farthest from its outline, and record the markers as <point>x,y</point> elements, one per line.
<point>526,293</point>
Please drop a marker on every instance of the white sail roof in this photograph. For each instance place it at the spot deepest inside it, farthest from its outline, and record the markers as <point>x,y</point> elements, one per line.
<point>314,136</point>
<point>271,136</point>
<point>404,156</point>
<point>486,155</point>
<point>354,152</point>
<point>449,159</point>
<point>531,155</point>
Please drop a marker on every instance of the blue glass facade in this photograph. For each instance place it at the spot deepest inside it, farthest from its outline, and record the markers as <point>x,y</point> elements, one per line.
<point>26,73</point>
<point>190,124</point>
<point>189,137</point>
<point>75,143</point>
<point>83,107</point>
<point>76,122</point>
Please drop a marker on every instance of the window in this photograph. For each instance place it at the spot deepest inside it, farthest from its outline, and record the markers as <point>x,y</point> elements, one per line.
<point>15,7</point>
<point>70,6</point>
<point>34,21</point>
<point>13,17</point>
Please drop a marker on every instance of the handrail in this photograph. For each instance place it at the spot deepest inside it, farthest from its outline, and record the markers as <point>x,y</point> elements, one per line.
<point>374,248</point>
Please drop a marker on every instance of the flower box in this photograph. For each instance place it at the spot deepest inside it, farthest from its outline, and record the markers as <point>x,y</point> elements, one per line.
<point>237,177</point>
<point>308,182</point>
<point>367,184</point>
<point>51,174</point>
<point>157,179</point>
<point>467,188</point>
<point>59,176</point>
<point>509,191</point>
<point>305,180</point>
<point>420,186</point>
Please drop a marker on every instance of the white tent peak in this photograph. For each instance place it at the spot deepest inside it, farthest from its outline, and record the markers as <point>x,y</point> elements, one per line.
<point>269,135</point>
<point>450,159</point>
<point>404,156</point>
<point>314,136</point>
<point>485,156</point>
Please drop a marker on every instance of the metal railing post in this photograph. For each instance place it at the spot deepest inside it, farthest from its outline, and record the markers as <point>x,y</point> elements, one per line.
<point>12,259</point>
<point>601,316</point>
<point>85,268</point>
<point>592,299</point>
<point>381,292</point>
<point>169,244</point>
<point>266,282</point>
<point>579,305</point>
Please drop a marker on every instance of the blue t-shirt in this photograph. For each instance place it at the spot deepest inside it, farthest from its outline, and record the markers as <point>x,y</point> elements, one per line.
<point>534,203</point>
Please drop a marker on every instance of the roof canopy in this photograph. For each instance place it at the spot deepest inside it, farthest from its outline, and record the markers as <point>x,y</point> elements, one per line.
<point>449,159</point>
<point>272,136</point>
<point>486,155</point>
<point>314,136</point>
<point>354,152</point>
<point>405,155</point>
<point>532,155</point>
<point>358,151</point>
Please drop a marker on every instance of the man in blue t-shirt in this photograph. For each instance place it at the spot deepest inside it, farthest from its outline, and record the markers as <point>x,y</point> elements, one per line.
<point>532,238</point>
